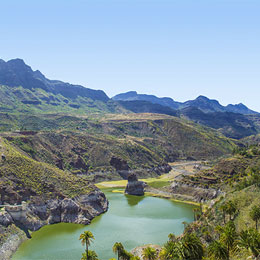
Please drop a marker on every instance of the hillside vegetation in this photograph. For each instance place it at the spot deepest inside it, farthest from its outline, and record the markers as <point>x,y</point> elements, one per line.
<point>21,178</point>
<point>37,100</point>
<point>84,144</point>
<point>238,177</point>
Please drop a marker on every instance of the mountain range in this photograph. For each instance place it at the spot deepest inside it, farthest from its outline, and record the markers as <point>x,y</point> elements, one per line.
<point>23,90</point>
<point>203,103</point>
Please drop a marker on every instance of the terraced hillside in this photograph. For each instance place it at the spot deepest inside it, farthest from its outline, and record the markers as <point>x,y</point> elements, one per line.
<point>238,178</point>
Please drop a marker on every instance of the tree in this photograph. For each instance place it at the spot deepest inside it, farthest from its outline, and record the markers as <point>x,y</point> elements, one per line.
<point>196,212</point>
<point>223,208</point>
<point>118,249</point>
<point>172,237</point>
<point>255,215</point>
<point>149,253</point>
<point>126,255</point>
<point>171,250</point>
<point>229,236</point>
<point>86,238</point>
<point>191,247</point>
<point>250,239</point>
<point>231,209</point>
<point>91,256</point>
<point>218,251</point>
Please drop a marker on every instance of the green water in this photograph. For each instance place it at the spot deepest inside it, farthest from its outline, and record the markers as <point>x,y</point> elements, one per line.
<point>131,220</point>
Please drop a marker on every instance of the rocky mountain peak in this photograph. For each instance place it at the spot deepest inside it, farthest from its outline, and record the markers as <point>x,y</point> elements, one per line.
<point>16,72</point>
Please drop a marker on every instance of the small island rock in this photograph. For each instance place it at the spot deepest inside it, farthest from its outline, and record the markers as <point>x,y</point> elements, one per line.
<point>135,187</point>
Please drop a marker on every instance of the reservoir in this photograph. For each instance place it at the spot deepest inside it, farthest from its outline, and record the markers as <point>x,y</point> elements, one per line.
<point>131,220</point>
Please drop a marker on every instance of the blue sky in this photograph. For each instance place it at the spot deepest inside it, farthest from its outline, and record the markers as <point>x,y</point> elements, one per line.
<point>179,49</point>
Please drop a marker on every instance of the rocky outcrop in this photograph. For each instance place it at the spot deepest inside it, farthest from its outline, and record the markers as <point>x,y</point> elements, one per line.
<point>119,164</point>
<point>161,169</point>
<point>193,192</point>
<point>5,219</point>
<point>11,245</point>
<point>79,163</point>
<point>134,187</point>
<point>80,210</point>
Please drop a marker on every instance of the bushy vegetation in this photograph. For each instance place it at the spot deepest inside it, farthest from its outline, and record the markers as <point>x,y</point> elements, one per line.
<point>24,176</point>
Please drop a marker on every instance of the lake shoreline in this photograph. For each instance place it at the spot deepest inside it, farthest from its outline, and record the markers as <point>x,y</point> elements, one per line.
<point>127,199</point>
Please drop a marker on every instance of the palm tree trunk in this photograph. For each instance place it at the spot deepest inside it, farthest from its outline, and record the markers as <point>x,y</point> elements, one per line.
<point>87,250</point>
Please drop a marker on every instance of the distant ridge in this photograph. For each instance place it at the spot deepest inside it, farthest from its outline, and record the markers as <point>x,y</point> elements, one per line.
<point>201,102</point>
<point>134,96</point>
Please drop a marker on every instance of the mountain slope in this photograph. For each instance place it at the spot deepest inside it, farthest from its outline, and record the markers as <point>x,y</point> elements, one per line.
<point>83,145</point>
<point>20,99</point>
<point>234,121</point>
<point>230,124</point>
<point>139,106</point>
<point>25,90</point>
<point>16,73</point>
<point>50,194</point>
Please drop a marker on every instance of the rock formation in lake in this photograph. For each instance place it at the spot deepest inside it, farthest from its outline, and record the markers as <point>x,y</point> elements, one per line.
<point>134,187</point>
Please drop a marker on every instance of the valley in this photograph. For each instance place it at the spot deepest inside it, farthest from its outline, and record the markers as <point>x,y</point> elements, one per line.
<point>67,152</point>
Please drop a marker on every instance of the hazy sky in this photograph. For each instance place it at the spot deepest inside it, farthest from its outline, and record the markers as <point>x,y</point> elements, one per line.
<point>179,49</point>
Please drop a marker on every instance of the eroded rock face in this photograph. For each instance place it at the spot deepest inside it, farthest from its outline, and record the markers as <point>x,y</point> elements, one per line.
<point>165,168</point>
<point>80,210</point>
<point>196,193</point>
<point>134,187</point>
<point>119,164</point>
<point>5,219</point>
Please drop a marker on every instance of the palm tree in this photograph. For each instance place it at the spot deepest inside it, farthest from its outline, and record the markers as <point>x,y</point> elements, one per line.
<point>250,239</point>
<point>218,251</point>
<point>171,250</point>
<point>231,209</point>
<point>118,249</point>
<point>229,236</point>
<point>255,215</point>
<point>192,248</point>
<point>172,237</point>
<point>149,253</point>
<point>195,212</point>
<point>223,207</point>
<point>91,255</point>
<point>126,255</point>
<point>86,238</point>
